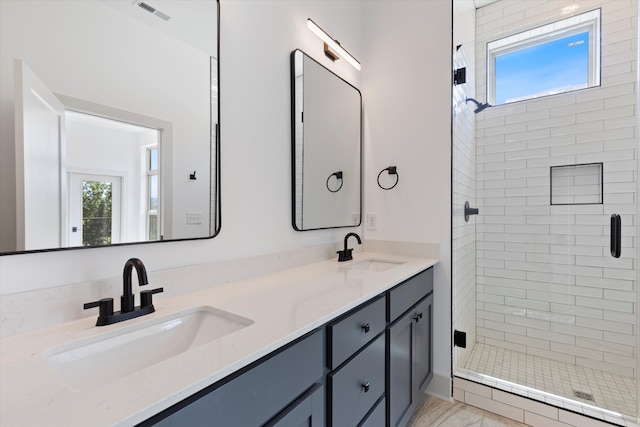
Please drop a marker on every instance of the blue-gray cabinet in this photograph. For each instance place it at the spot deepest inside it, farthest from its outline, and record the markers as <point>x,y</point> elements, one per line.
<point>276,384</point>
<point>306,411</point>
<point>362,369</point>
<point>409,344</point>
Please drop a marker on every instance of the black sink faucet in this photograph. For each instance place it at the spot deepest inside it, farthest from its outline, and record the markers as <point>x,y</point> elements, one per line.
<point>345,255</point>
<point>128,309</point>
<point>127,302</point>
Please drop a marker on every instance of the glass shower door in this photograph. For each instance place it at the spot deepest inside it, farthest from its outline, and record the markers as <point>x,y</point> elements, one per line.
<point>545,276</point>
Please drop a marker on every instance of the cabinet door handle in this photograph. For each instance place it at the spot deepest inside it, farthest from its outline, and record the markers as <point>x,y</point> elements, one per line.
<point>366,328</point>
<point>417,317</point>
<point>365,386</point>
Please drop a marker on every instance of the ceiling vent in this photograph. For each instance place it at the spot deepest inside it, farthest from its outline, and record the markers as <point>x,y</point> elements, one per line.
<point>152,10</point>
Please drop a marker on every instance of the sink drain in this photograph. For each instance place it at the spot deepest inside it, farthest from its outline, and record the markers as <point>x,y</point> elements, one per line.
<point>583,395</point>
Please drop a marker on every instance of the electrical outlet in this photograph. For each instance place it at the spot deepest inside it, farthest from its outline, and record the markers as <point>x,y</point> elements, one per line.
<point>372,221</point>
<point>194,217</point>
<point>355,218</point>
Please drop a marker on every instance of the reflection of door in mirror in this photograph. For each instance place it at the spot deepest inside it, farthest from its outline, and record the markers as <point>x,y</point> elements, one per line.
<point>327,144</point>
<point>100,146</point>
<point>39,143</point>
<point>95,209</point>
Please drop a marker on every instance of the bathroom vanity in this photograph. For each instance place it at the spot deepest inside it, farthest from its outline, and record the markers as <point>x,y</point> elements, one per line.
<point>383,344</point>
<point>326,344</point>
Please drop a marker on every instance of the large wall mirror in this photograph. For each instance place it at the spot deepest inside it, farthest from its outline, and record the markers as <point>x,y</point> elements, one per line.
<point>327,147</point>
<point>108,122</point>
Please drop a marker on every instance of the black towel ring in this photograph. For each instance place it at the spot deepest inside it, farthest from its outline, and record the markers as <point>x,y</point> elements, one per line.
<point>392,171</point>
<point>338,176</point>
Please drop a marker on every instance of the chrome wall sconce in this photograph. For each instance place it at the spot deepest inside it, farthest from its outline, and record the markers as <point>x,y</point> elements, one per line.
<point>332,47</point>
<point>338,176</point>
<point>392,171</point>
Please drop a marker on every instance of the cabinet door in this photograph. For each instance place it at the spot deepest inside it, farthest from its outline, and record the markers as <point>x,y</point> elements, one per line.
<point>306,411</point>
<point>400,388</point>
<point>423,351</point>
<point>376,418</point>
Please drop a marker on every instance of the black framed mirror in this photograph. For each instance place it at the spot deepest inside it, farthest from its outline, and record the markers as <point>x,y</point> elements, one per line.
<point>110,123</point>
<point>326,127</point>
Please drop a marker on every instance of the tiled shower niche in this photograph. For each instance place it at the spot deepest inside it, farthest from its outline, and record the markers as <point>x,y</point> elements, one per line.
<point>576,184</point>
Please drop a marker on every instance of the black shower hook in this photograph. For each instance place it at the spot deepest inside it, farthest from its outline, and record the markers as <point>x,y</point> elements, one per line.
<point>338,176</point>
<point>392,171</point>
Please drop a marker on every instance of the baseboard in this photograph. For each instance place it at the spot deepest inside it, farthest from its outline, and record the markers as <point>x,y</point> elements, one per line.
<point>440,387</point>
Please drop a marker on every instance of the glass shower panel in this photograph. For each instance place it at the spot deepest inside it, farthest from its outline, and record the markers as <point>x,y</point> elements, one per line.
<point>542,301</point>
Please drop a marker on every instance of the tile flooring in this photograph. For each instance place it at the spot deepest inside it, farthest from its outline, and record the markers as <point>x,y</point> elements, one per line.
<point>438,413</point>
<point>609,391</point>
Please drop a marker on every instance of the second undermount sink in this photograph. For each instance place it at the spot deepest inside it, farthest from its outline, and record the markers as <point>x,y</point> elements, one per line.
<point>114,354</point>
<point>375,264</point>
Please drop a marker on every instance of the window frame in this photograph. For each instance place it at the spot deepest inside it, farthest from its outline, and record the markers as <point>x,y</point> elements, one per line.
<point>588,21</point>
<point>149,173</point>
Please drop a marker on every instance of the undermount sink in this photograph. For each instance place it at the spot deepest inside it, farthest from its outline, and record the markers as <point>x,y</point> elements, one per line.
<point>375,265</point>
<point>115,354</point>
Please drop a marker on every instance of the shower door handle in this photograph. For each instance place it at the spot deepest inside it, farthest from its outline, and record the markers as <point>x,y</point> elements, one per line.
<point>616,236</point>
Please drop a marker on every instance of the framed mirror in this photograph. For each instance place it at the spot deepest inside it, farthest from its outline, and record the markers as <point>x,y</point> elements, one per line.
<point>326,127</point>
<point>109,122</point>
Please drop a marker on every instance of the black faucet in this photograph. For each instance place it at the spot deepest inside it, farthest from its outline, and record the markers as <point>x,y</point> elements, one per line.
<point>345,255</point>
<point>127,302</point>
<point>128,310</point>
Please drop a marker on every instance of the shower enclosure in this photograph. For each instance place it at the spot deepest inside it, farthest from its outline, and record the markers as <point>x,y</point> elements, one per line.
<point>545,275</point>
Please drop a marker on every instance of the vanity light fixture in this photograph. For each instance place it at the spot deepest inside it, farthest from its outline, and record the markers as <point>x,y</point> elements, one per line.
<point>332,47</point>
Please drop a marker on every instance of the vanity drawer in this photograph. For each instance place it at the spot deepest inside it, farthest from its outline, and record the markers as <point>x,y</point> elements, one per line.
<point>406,294</point>
<point>357,386</point>
<point>350,333</point>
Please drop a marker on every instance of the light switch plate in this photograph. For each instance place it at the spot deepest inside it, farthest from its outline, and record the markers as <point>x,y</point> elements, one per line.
<point>372,221</point>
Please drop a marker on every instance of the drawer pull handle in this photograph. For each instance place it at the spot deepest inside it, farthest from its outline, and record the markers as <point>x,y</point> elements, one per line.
<point>365,386</point>
<point>417,317</point>
<point>366,328</point>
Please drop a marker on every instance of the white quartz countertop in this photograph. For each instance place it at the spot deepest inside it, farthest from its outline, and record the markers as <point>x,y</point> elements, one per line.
<point>283,306</point>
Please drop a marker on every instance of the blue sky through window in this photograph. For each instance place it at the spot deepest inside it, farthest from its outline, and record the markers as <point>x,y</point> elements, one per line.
<point>555,66</point>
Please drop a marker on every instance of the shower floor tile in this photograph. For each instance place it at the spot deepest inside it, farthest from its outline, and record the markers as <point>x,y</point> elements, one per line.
<point>609,391</point>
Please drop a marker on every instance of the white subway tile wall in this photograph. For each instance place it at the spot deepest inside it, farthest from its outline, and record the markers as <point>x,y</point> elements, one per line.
<point>546,283</point>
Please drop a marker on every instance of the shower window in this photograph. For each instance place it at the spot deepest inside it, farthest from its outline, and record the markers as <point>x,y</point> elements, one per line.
<point>555,58</point>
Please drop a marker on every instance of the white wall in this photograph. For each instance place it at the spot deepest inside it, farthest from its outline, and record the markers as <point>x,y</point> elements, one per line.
<point>257,39</point>
<point>547,285</point>
<point>406,75</point>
